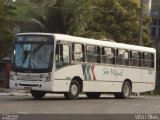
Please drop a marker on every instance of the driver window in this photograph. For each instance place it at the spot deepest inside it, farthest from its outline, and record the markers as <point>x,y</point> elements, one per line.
<point>62,55</point>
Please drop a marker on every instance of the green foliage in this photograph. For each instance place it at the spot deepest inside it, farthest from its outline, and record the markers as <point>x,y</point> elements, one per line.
<point>55,18</point>
<point>101,19</point>
<point>6,11</point>
<point>118,20</point>
<point>113,19</point>
<point>32,13</point>
<point>155,4</point>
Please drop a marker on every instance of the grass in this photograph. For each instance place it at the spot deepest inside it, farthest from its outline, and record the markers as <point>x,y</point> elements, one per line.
<point>155,92</point>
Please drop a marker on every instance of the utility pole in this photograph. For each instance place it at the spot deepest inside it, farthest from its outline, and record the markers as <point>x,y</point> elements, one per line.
<point>140,23</point>
<point>139,42</point>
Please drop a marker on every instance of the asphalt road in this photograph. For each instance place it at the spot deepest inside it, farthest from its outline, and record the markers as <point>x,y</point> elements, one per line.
<point>56,104</point>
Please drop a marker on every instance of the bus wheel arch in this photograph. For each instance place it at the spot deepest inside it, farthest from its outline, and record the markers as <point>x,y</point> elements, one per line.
<point>79,80</point>
<point>74,89</point>
<point>130,82</point>
<point>37,94</point>
<point>125,91</point>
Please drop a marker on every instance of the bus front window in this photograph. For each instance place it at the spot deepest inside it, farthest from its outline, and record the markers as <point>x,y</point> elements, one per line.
<point>33,56</point>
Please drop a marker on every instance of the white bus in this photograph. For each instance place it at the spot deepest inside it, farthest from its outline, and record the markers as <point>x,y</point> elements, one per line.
<point>56,63</point>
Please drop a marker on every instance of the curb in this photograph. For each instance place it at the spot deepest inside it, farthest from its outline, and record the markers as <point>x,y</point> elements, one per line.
<point>4,90</point>
<point>14,94</point>
<point>8,92</point>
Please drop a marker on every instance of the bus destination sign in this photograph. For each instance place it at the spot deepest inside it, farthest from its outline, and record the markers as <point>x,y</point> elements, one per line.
<point>30,38</point>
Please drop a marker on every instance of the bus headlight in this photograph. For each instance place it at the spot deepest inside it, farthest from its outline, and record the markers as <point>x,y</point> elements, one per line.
<point>41,76</point>
<point>48,77</point>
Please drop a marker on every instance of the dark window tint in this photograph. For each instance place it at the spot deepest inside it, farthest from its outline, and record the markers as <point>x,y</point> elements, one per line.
<point>108,55</point>
<point>93,54</point>
<point>62,55</point>
<point>78,52</point>
<point>135,58</point>
<point>122,57</point>
<point>147,60</point>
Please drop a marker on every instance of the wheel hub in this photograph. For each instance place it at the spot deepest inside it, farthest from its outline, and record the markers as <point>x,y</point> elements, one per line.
<point>74,90</point>
<point>126,90</point>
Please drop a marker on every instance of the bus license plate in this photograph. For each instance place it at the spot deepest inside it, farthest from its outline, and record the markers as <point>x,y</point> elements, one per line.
<point>27,88</point>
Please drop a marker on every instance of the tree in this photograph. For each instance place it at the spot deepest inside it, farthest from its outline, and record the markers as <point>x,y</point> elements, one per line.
<point>155,4</point>
<point>102,19</point>
<point>6,36</point>
<point>115,19</point>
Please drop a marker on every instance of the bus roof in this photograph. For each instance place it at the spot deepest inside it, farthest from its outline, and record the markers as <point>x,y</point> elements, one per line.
<point>89,41</point>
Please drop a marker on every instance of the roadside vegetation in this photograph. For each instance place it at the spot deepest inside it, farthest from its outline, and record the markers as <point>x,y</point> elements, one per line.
<point>100,19</point>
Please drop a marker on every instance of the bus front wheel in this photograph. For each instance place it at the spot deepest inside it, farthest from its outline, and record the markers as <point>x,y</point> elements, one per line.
<point>74,91</point>
<point>37,94</point>
<point>126,91</point>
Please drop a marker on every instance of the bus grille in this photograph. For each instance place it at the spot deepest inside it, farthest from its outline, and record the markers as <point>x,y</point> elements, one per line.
<point>31,77</point>
<point>31,85</point>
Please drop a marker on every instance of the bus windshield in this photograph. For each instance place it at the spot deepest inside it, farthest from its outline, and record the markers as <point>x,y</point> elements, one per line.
<point>32,57</point>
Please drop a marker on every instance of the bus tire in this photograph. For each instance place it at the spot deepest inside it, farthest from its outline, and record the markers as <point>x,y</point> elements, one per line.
<point>37,94</point>
<point>126,91</point>
<point>74,91</point>
<point>93,95</point>
<point>117,95</point>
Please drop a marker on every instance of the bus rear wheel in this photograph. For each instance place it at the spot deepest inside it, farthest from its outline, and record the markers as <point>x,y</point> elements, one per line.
<point>37,94</point>
<point>74,91</point>
<point>93,95</point>
<point>126,91</point>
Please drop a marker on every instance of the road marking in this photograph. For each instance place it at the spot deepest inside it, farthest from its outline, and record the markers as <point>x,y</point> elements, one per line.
<point>120,103</point>
<point>137,104</point>
<point>23,112</point>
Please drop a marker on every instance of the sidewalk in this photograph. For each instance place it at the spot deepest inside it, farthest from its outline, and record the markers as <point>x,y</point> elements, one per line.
<point>9,92</point>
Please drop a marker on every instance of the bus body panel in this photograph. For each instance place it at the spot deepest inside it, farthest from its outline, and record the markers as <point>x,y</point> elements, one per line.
<point>148,75</point>
<point>61,85</point>
<point>107,79</point>
<point>96,77</point>
<point>143,87</point>
<point>32,81</point>
<point>102,78</point>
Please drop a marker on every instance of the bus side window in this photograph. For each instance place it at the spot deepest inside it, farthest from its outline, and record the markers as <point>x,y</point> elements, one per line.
<point>122,57</point>
<point>77,52</point>
<point>98,55</point>
<point>59,53</point>
<point>147,60</point>
<point>65,54</point>
<point>108,55</point>
<point>152,60</point>
<point>135,58</point>
<point>93,54</point>
<point>62,55</point>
